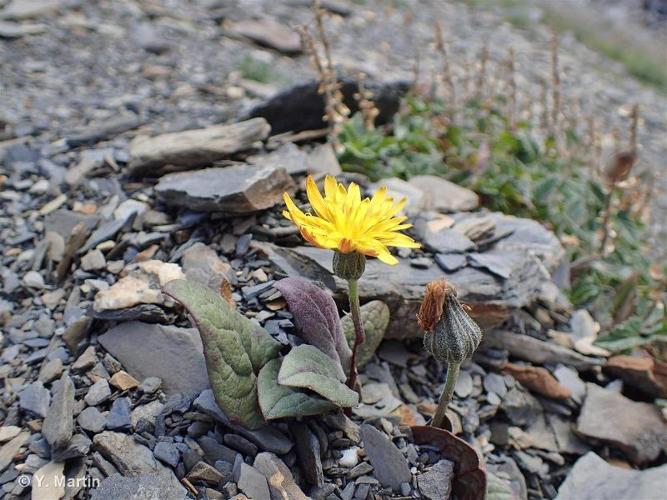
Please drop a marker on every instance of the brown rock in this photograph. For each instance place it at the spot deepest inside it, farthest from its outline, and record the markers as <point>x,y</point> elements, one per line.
<point>123,381</point>
<point>643,373</point>
<point>537,379</point>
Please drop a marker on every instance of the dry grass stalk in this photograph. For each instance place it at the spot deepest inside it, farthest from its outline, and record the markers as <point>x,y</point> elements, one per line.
<point>335,110</point>
<point>618,171</point>
<point>481,76</point>
<point>634,124</point>
<point>447,78</point>
<point>511,87</point>
<point>555,85</point>
<point>544,100</point>
<point>367,107</point>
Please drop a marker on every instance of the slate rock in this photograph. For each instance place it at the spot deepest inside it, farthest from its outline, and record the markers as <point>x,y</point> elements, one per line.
<point>173,354</point>
<point>215,451</point>
<point>450,262</point>
<point>399,189</point>
<point>520,406</point>
<point>391,467</point>
<point>11,448</point>
<point>58,425</point>
<point>148,412</point>
<point>118,417</point>
<point>129,457</point>
<point>150,384</point>
<point>194,148</point>
<point>50,370</point>
<point>203,472</point>
<point>167,453</point>
<point>301,107</point>
<point>235,190</point>
<point>537,351</point>
<point>98,393</point>
<point>592,478</point>
<point>35,399</point>
<point>308,451</point>
<point>45,484</point>
<point>107,129</point>
<point>267,438</point>
<point>77,446</point>
<point>267,33</point>
<point>86,360</point>
<point>495,383</point>
<point>507,470</point>
<point>8,432</point>
<point>9,30</point>
<point>250,481</point>
<point>149,486</point>
<point>436,483</point>
<point>464,384</point>
<point>278,476</point>
<point>569,378</point>
<point>446,240</point>
<point>442,195</point>
<point>91,420</point>
<point>636,428</point>
<point>402,290</point>
<point>27,9</point>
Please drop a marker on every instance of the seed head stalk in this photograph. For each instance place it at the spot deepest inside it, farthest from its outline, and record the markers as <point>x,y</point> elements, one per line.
<point>446,396</point>
<point>359,336</point>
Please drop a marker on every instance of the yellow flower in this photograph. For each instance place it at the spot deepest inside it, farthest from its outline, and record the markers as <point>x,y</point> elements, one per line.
<point>346,223</point>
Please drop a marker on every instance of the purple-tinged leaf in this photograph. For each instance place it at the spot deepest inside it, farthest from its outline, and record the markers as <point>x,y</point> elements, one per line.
<point>316,317</point>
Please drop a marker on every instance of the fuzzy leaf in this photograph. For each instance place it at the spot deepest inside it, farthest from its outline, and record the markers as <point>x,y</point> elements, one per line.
<point>278,401</point>
<point>316,317</point>
<point>235,349</point>
<point>375,319</point>
<point>307,367</point>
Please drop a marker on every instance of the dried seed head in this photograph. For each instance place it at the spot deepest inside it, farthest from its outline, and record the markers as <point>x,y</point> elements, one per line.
<point>451,335</point>
<point>620,167</point>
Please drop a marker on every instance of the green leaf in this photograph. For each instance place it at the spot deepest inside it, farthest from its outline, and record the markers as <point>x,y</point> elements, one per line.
<point>375,319</point>
<point>235,349</point>
<point>279,401</point>
<point>307,367</point>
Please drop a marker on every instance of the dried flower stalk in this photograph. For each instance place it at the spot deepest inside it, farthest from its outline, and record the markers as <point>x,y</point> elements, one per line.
<point>335,110</point>
<point>364,98</point>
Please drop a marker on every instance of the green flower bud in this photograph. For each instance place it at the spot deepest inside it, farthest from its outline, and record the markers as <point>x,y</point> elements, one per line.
<point>349,266</point>
<point>451,335</point>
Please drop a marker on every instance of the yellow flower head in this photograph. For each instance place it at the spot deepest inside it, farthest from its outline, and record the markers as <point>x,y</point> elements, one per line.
<point>346,223</point>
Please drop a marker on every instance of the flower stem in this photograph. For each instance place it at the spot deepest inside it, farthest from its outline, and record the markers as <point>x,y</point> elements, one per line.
<point>446,396</point>
<point>359,335</point>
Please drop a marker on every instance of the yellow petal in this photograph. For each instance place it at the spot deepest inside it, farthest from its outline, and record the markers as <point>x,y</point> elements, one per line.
<point>315,198</point>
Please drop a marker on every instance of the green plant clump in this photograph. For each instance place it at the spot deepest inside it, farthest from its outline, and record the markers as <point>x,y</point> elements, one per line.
<point>519,169</point>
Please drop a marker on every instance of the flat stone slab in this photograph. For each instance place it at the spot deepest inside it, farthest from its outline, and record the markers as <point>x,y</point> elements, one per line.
<point>592,478</point>
<point>637,429</point>
<point>194,148</point>
<point>236,190</point>
<point>442,195</point>
<point>529,251</point>
<point>173,354</point>
<point>391,467</point>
